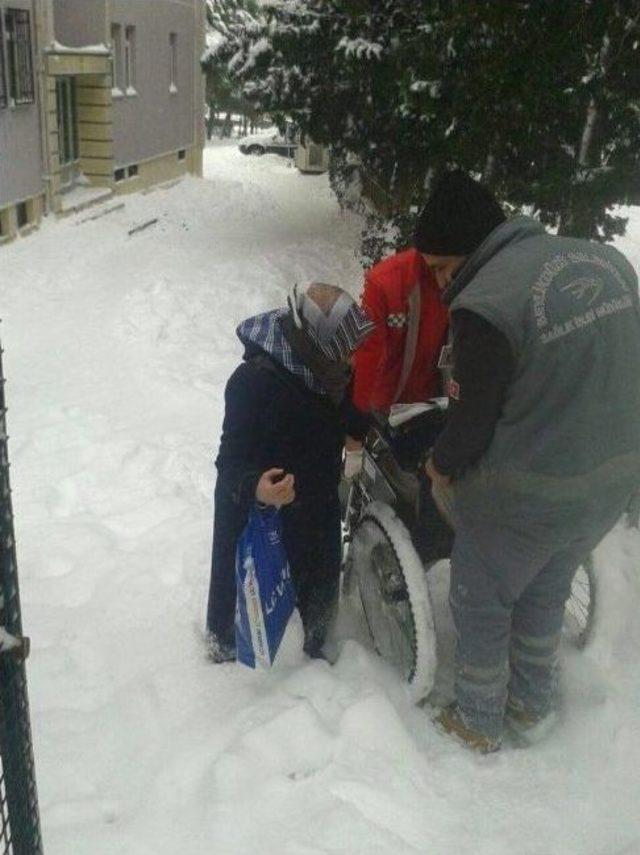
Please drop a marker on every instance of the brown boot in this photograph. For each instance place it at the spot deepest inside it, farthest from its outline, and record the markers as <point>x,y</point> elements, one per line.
<point>451,721</point>
<point>526,727</point>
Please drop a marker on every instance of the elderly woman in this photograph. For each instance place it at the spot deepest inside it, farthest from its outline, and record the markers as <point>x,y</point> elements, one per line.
<point>286,415</point>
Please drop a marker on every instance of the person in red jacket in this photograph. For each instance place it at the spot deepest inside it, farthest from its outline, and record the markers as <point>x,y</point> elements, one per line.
<point>398,364</point>
<point>388,367</point>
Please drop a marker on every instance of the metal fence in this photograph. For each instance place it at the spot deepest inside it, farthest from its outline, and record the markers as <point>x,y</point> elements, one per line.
<point>19,819</point>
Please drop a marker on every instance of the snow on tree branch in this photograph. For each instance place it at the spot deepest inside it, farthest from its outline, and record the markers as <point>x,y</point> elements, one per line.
<point>359,48</point>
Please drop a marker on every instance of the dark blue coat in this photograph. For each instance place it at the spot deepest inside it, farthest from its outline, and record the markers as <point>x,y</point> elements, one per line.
<point>273,420</point>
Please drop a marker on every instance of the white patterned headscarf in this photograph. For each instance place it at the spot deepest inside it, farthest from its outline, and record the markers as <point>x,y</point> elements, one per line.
<point>332,317</point>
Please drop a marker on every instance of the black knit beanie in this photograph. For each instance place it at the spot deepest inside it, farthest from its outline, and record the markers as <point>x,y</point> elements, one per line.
<point>458,216</point>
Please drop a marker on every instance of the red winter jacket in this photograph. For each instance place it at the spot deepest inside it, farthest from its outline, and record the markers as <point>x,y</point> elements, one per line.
<point>378,362</point>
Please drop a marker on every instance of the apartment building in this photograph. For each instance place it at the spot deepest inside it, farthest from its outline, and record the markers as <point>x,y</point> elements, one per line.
<point>96,97</point>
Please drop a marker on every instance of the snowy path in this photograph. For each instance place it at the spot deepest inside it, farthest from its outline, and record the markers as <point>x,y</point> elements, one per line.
<point>117,351</point>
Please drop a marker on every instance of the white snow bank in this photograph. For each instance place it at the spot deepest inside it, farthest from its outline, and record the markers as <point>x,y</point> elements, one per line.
<point>117,349</point>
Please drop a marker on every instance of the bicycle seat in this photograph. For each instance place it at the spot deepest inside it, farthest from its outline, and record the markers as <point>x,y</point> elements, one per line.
<point>402,413</point>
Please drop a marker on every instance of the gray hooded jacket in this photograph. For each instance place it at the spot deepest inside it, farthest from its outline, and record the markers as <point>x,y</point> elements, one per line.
<point>570,427</point>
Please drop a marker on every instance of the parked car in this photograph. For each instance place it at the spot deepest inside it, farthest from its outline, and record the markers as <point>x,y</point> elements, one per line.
<point>277,143</point>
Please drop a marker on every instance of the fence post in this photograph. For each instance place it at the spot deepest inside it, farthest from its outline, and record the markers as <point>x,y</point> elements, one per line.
<point>19,818</point>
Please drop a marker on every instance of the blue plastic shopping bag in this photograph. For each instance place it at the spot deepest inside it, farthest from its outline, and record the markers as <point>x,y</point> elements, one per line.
<point>265,593</point>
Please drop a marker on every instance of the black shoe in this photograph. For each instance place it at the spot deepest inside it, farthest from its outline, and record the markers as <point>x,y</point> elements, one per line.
<point>219,651</point>
<point>315,653</point>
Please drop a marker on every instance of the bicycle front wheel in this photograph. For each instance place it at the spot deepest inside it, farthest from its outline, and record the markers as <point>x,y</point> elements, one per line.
<point>580,607</point>
<point>395,597</point>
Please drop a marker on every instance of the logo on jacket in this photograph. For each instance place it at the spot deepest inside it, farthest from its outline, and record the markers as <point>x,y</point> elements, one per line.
<point>398,319</point>
<point>584,288</point>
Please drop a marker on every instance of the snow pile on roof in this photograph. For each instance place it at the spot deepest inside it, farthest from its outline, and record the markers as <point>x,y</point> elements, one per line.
<point>87,50</point>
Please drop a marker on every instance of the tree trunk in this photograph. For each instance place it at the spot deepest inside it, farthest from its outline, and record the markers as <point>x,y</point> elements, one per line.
<point>226,127</point>
<point>211,121</point>
<point>586,142</point>
<point>580,217</point>
<point>489,171</point>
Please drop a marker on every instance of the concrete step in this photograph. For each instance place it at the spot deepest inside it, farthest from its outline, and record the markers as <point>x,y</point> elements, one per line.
<point>82,196</point>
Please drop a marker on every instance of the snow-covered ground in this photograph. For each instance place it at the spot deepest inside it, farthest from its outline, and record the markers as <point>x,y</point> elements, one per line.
<point>117,349</point>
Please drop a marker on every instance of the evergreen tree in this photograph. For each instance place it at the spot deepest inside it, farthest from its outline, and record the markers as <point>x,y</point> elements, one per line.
<point>227,22</point>
<point>564,131</point>
<point>539,98</point>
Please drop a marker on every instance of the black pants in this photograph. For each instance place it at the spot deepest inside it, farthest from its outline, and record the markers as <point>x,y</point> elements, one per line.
<point>312,538</point>
<point>228,523</point>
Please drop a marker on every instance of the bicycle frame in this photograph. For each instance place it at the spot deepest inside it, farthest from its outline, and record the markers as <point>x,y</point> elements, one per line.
<point>371,484</point>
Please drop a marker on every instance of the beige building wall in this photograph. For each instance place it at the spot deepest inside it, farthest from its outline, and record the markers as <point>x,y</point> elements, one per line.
<point>95,127</point>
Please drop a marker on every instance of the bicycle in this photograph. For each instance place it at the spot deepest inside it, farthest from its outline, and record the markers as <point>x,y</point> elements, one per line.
<point>386,555</point>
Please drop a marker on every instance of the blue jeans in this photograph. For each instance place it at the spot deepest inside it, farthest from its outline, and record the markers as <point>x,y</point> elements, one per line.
<point>508,598</point>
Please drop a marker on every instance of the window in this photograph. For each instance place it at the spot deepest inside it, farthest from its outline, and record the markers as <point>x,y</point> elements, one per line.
<point>18,36</point>
<point>22,213</point>
<point>132,170</point>
<point>182,154</point>
<point>173,62</point>
<point>130,60</point>
<point>120,174</point>
<point>116,59</point>
<point>3,85</point>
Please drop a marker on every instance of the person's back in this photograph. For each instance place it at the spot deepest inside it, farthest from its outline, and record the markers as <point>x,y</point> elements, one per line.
<point>545,392</point>
<point>296,430</point>
<point>569,309</point>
